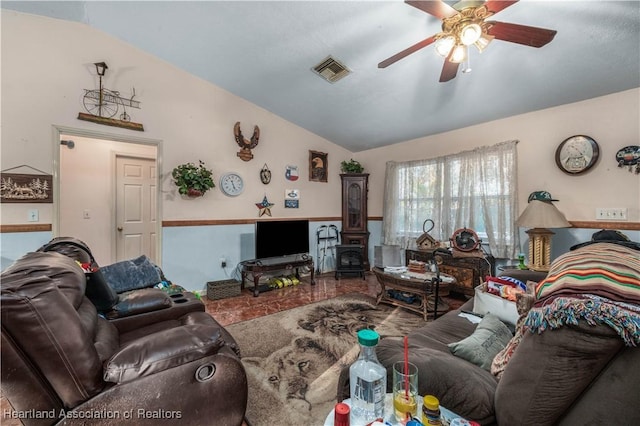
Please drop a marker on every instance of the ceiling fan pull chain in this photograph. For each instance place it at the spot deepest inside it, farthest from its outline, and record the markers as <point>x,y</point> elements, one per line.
<point>466,65</point>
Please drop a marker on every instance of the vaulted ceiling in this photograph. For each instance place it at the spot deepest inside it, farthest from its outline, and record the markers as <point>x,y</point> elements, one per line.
<point>264,51</point>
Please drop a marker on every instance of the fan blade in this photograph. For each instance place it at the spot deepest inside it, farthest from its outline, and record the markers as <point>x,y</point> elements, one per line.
<point>521,34</point>
<point>406,52</point>
<point>449,71</point>
<point>439,9</point>
<point>495,6</point>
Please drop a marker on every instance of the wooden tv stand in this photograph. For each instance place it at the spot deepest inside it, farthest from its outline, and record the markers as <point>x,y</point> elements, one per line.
<point>257,267</point>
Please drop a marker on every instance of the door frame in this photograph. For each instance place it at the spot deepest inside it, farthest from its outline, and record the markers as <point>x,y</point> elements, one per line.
<point>57,131</point>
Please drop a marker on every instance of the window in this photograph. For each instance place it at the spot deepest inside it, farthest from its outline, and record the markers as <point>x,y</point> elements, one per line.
<point>474,189</point>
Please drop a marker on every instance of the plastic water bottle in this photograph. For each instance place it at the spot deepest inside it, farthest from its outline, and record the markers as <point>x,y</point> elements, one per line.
<point>368,381</point>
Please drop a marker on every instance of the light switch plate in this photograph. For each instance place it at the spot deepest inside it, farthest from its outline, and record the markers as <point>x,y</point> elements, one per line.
<point>33,215</point>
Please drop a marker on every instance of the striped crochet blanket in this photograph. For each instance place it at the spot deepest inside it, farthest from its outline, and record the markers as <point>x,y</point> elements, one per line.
<point>599,284</point>
<point>607,270</point>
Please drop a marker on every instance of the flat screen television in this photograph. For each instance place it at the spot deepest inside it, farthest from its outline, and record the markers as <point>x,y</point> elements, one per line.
<point>281,238</point>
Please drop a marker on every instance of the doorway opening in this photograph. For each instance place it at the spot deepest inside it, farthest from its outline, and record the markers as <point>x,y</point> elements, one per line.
<point>106,193</point>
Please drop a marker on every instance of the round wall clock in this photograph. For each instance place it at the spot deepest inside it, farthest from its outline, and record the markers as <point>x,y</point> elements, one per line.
<point>577,154</point>
<point>231,184</point>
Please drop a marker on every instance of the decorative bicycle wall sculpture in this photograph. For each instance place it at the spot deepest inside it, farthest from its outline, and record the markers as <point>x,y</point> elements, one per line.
<point>103,104</point>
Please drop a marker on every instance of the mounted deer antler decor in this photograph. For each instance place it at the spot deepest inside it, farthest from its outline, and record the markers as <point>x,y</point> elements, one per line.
<point>246,145</point>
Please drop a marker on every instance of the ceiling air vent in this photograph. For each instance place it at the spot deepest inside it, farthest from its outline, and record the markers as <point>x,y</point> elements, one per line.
<point>331,70</point>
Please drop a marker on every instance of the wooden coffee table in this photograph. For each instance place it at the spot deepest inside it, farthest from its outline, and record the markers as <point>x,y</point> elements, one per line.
<point>425,289</point>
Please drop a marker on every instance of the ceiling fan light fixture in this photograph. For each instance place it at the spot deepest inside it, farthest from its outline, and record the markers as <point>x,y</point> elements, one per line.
<point>470,33</point>
<point>444,45</point>
<point>483,42</point>
<point>459,54</point>
<point>464,24</point>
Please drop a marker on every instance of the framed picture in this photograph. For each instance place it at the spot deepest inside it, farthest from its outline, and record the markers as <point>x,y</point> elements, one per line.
<point>26,188</point>
<point>318,166</point>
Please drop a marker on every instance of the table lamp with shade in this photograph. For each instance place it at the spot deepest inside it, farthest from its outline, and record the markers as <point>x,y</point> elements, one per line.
<point>540,215</point>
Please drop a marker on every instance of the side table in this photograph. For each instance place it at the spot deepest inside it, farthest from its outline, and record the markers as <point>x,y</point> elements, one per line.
<point>508,267</point>
<point>445,414</point>
<point>524,275</point>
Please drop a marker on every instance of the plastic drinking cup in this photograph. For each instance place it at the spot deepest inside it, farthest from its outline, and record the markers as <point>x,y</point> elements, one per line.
<point>405,391</point>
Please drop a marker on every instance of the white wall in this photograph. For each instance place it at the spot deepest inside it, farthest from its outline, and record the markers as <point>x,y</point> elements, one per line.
<point>46,64</point>
<point>613,121</point>
<point>86,184</point>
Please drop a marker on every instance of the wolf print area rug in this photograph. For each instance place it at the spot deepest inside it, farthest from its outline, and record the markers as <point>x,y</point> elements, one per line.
<point>293,358</point>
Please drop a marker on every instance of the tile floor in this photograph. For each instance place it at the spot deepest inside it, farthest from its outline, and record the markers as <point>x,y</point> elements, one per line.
<point>246,306</point>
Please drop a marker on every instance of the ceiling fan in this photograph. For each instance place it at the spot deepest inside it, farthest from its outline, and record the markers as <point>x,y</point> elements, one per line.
<point>463,25</point>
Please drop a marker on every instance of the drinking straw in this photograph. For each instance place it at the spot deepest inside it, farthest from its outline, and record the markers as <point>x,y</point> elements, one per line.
<point>406,367</point>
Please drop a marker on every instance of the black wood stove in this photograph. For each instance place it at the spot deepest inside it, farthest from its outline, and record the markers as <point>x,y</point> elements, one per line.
<point>350,260</point>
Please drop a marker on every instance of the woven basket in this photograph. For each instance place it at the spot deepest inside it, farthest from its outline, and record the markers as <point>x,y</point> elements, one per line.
<point>222,289</point>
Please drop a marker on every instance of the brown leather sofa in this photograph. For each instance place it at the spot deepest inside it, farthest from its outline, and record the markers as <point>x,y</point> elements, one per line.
<point>62,363</point>
<point>575,374</point>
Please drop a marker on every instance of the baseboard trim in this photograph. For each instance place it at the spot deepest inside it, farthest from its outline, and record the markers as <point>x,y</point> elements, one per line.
<point>46,227</point>
<point>41,227</point>
<point>599,224</point>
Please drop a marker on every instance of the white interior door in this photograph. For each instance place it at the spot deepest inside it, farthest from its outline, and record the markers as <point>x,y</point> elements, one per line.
<point>136,215</point>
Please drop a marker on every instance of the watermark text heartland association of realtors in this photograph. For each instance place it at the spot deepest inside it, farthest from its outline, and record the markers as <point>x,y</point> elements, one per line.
<point>134,413</point>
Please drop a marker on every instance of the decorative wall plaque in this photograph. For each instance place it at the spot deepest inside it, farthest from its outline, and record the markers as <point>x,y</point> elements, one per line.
<point>103,105</point>
<point>26,187</point>
<point>291,198</point>
<point>245,144</point>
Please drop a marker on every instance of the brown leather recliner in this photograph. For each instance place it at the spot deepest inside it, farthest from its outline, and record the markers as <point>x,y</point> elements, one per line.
<point>137,299</point>
<point>62,363</point>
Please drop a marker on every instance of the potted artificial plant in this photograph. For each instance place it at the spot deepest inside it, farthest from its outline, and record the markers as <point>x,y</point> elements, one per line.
<point>192,180</point>
<point>351,166</point>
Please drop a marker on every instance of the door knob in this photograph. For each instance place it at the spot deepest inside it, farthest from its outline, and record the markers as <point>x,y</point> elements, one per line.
<point>119,228</point>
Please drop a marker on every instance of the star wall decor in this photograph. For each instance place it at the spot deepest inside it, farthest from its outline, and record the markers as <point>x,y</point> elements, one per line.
<point>265,207</point>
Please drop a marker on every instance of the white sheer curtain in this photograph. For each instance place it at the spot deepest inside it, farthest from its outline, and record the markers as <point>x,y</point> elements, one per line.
<point>473,189</point>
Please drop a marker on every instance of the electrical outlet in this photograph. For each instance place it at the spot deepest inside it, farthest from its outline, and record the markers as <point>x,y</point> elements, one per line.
<point>223,262</point>
<point>611,213</point>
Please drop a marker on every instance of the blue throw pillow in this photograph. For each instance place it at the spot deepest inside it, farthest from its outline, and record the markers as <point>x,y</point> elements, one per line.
<point>131,274</point>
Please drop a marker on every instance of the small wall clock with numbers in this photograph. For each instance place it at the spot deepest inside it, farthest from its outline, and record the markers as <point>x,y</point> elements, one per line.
<point>231,184</point>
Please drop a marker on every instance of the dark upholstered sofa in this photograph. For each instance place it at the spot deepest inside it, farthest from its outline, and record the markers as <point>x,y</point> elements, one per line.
<point>569,373</point>
<point>63,363</point>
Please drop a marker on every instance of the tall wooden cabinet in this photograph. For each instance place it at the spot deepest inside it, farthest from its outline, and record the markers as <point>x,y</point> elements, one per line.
<point>355,187</point>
